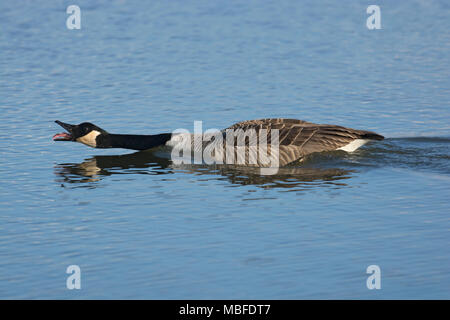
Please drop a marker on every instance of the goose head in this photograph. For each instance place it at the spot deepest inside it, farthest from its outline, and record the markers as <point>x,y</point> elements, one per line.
<point>86,133</point>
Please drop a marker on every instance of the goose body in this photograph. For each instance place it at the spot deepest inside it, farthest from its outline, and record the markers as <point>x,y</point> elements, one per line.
<point>296,139</point>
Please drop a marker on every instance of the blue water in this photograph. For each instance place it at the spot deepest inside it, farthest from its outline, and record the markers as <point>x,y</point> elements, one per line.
<point>140,227</point>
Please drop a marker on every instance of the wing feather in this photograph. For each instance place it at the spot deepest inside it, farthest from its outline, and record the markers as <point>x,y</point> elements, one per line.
<point>298,138</point>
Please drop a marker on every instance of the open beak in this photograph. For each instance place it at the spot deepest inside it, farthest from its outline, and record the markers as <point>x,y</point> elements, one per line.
<point>64,136</point>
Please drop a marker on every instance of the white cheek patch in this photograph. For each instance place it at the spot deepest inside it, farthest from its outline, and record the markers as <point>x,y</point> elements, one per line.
<point>89,139</point>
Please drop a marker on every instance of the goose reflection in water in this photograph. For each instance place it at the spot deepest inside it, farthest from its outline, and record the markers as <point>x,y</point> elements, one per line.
<point>150,162</point>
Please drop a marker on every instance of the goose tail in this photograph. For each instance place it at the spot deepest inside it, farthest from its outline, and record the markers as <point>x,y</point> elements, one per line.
<point>369,135</point>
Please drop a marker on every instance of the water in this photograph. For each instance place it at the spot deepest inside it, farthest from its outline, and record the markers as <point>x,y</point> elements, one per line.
<point>140,227</point>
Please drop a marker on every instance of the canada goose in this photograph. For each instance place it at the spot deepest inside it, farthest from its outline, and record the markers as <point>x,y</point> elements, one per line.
<point>297,138</point>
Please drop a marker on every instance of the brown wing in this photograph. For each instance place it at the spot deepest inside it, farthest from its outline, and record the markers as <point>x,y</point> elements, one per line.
<point>268,122</point>
<point>299,138</point>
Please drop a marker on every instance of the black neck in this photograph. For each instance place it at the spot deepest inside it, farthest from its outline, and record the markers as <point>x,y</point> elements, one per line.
<point>132,141</point>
